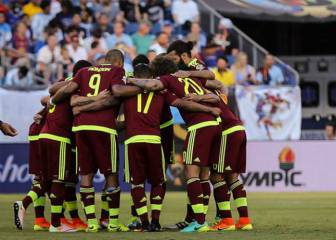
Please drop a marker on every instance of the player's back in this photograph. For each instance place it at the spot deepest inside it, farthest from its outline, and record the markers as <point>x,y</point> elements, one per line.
<point>143,114</point>
<point>92,81</point>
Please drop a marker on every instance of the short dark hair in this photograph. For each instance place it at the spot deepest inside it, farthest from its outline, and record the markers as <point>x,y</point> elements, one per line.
<point>141,58</point>
<point>162,65</point>
<point>181,47</point>
<point>114,55</point>
<point>223,58</point>
<point>44,4</point>
<point>79,65</point>
<point>142,70</point>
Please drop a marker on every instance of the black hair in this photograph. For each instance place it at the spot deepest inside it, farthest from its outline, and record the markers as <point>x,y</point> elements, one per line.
<point>141,58</point>
<point>97,32</point>
<point>163,66</point>
<point>79,65</point>
<point>223,58</point>
<point>114,55</point>
<point>181,47</point>
<point>142,70</point>
<point>44,4</point>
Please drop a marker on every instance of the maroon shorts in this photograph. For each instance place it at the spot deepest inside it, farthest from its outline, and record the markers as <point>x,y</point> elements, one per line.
<point>97,151</point>
<point>57,161</point>
<point>34,157</point>
<point>230,155</point>
<point>144,161</point>
<point>167,142</point>
<point>199,145</point>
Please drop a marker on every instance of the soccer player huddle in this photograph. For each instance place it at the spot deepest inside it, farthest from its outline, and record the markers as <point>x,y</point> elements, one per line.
<point>76,134</point>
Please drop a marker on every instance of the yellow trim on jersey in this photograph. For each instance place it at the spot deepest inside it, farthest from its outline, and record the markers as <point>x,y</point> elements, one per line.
<point>144,139</point>
<point>233,129</point>
<point>193,62</point>
<point>202,125</point>
<point>167,124</point>
<point>54,137</point>
<point>33,138</point>
<point>94,128</point>
<point>126,167</point>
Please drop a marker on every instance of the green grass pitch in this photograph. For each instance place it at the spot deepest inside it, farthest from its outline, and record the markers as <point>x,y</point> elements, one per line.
<point>293,216</point>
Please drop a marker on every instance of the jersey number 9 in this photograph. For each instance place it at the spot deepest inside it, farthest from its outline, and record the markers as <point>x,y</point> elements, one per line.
<point>94,84</point>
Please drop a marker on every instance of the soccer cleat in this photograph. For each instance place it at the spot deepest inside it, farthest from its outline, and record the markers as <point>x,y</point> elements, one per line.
<point>154,227</point>
<point>104,223</point>
<point>244,223</point>
<point>134,223</point>
<point>196,227</point>
<point>177,226</point>
<point>92,228</point>
<point>79,224</point>
<point>63,228</point>
<point>65,221</point>
<point>41,224</point>
<point>19,213</point>
<point>117,228</point>
<point>226,224</point>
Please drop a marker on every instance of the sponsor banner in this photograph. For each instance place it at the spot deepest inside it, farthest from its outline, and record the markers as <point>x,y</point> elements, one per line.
<point>270,113</point>
<point>290,166</point>
<point>271,167</point>
<point>18,108</point>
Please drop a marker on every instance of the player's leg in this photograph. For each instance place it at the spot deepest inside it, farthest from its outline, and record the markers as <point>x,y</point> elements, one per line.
<point>238,165</point>
<point>156,176</point>
<point>88,169</point>
<point>135,175</point>
<point>106,152</point>
<point>104,213</point>
<point>205,183</point>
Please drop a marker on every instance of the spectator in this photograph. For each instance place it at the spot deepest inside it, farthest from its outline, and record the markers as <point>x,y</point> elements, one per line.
<point>40,21</point>
<point>47,58</point>
<point>75,50</point>
<point>96,36</point>
<point>55,7</point>
<point>5,31</point>
<point>32,8</point>
<point>223,73</point>
<point>244,73</point>
<point>225,38</point>
<point>87,21</point>
<point>270,74</point>
<point>120,37</point>
<point>64,17</point>
<point>142,40</point>
<point>19,76</point>
<point>65,65</point>
<point>131,11</point>
<point>197,37</point>
<point>153,11</point>
<point>104,23</point>
<point>185,10</point>
<point>151,54</point>
<point>95,51</point>
<point>77,23</point>
<point>108,7</point>
<point>21,41</point>
<point>161,44</point>
<point>168,29</point>
<point>330,131</point>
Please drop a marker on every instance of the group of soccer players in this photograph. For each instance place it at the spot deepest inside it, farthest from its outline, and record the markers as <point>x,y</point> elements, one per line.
<point>76,134</point>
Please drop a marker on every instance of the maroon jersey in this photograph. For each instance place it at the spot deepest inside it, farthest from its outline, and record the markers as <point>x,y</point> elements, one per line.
<point>59,119</point>
<point>92,81</point>
<point>35,129</point>
<point>182,87</point>
<point>143,113</point>
<point>166,117</point>
<point>196,65</point>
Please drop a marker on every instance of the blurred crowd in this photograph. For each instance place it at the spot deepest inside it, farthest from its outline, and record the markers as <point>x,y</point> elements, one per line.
<point>41,39</point>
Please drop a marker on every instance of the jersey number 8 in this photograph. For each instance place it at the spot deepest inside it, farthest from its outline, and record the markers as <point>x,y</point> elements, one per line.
<point>94,83</point>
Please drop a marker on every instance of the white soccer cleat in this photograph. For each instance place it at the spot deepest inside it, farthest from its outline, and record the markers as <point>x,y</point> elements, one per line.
<point>19,213</point>
<point>63,228</point>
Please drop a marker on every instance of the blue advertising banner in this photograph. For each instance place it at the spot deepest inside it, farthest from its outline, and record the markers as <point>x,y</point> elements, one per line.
<point>14,174</point>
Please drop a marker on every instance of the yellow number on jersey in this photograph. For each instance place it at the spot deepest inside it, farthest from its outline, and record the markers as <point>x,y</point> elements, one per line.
<point>188,82</point>
<point>148,102</point>
<point>94,83</point>
<point>52,109</point>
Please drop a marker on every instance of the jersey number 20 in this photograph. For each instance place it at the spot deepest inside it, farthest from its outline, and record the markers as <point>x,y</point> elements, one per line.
<point>94,83</point>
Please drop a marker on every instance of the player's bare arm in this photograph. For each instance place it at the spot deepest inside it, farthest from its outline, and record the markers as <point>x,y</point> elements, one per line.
<point>77,100</point>
<point>125,91</point>
<point>207,74</point>
<point>195,107</point>
<point>65,92</point>
<point>148,84</point>
<point>7,129</point>
<point>56,86</point>
<point>96,105</point>
<point>206,98</point>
